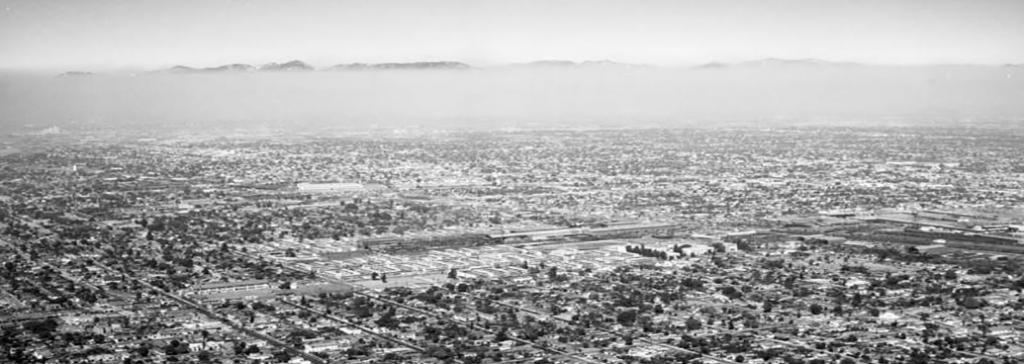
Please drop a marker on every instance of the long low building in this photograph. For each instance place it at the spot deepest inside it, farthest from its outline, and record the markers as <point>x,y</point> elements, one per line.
<point>329,187</point>
<point>222,287</point>
<point>953,232</point>
<point>539,234</point>
<point>655,229</point>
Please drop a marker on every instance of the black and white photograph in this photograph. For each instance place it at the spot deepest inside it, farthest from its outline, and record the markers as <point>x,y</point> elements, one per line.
<point>512,181</point>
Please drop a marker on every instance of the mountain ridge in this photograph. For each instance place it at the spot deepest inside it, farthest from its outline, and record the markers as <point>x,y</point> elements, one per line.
<point>780,62</point>
<point>301,66</point>
<point>423,65</point>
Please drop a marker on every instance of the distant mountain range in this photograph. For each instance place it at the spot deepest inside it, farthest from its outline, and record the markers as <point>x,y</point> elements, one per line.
<point>814,62</point>
<point>446,65</point>
<point>779,62</point>
<point>75,74</point>
<point>237,67</point>
<point>291,66</point>
<point>570,64</point>
<point>300,66</point>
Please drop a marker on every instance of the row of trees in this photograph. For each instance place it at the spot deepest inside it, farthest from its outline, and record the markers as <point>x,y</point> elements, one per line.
<point>647,252</point>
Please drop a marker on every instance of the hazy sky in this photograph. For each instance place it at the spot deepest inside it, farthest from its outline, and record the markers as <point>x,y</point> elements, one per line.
<point>140,33</point>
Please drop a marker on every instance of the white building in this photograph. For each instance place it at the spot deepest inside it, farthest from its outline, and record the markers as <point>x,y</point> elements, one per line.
<point>329,187</point>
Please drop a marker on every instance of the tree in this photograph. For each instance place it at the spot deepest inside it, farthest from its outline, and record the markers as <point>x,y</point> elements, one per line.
<point>989,342</point>
<point>950,275</point>
<point>239,348</point>
<point>42,327</point>
<point>282,356</point>
<point>972,303</point>
<point>731,292</point>
<point>439,352</point>
<point>693,323</point>
<point>719,247</point>
<point>626,318</point>
<point>501,335</point>
<point>143,350</point>
<point>816,309</point>
<point>388,319</point>
<point>204,356</point>
<point>176,348</point>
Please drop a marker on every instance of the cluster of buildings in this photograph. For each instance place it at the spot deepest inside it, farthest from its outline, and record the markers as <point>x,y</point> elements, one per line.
<point>648,246</point>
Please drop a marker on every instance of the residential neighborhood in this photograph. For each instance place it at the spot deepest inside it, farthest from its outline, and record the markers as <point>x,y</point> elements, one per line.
<point>646,246</point>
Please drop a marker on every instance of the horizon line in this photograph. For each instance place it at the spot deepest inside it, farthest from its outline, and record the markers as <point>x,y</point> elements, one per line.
<point>484,65</point>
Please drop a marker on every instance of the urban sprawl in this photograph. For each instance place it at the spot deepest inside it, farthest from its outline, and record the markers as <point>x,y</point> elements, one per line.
<point>797,245</point>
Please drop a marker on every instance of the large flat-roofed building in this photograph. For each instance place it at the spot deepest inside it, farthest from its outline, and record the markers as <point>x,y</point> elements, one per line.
<point>626,230</point>
<point>539,234</point>
<point>329,187</point>
<point>664,229</point>
<point>225,287</point>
